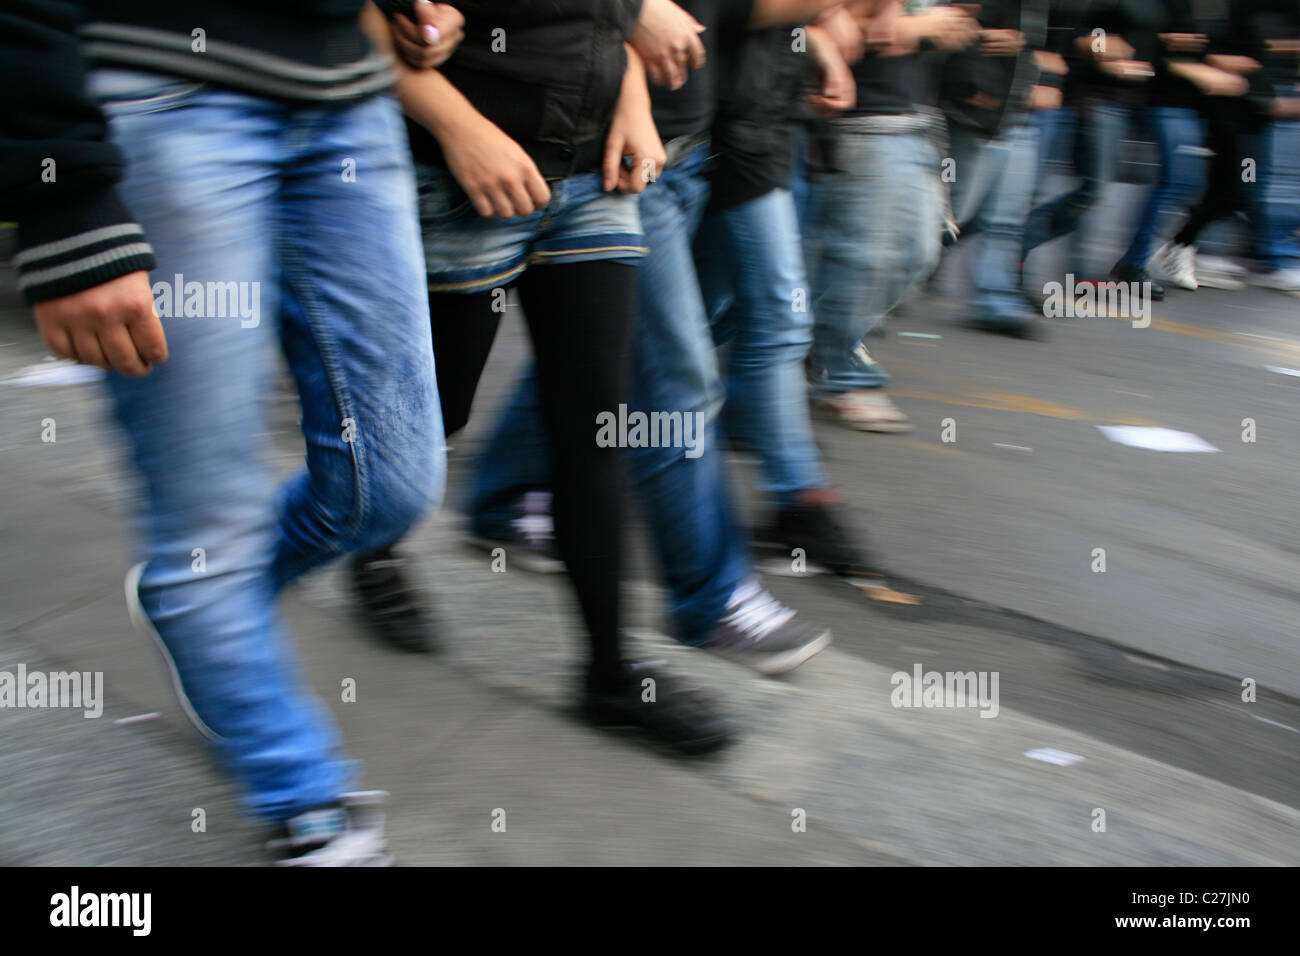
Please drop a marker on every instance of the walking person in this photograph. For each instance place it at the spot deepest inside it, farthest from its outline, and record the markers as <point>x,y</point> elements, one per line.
<point>530,168</point>
<point>717,600</point>
<point>750,261</point>
<point>1110,58</point>
<point>877,214</point>
<point>218,171</point>
<point>988,93</point>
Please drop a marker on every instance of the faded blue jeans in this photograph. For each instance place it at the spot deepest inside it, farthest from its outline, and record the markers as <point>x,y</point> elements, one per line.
<point>703,553</point>
<point>879,219</point>
<point>991,197</point>
<point>231,188</point>
<point>751,267</point>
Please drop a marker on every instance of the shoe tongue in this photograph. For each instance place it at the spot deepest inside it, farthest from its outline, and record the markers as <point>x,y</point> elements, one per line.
<point>318,824</point>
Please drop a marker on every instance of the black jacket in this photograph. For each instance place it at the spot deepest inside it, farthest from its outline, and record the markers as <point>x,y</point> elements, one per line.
<point>548,72</point>
<point>989,93</point>
<point>1251,25</point>
<point>74,232</point>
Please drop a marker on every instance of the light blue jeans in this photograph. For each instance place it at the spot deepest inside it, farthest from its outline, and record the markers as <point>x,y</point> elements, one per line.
<point>879,219</point>
<point>991,196</point>
<point>751,269</point>
<point>231,188</point>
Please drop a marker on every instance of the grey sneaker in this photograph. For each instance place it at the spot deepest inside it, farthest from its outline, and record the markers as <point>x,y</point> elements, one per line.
<point>350,833</point>
<point>760,632</point>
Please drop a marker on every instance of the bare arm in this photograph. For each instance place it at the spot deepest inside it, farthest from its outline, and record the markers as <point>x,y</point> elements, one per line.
<point>498,176</point>
<point>775,13</point>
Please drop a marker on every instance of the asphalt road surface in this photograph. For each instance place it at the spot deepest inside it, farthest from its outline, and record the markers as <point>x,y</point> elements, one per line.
<point>1135,673</point>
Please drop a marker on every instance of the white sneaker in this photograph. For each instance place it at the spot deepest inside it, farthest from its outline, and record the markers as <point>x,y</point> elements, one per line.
<point>1220,264</point>
<point>1282,280</point>
<point>1174,265</point>
<point>349,834</point>
<point>1219,272</point>
<point>868,410</point>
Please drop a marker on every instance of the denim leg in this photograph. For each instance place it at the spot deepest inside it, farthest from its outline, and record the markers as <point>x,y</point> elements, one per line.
<point>1056,130</point>
<point>1177,131</point>
<point>880,235</point>
<point>756,246</point>
<point>703,553</point>
<point>1100,127</point>
<point>1281,180</point>
<point>203,178</point>
<point>977,163</point>
<point>995,260</point>
<point>355,331</point>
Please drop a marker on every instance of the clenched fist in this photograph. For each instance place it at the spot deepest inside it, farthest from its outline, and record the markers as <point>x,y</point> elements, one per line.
<point>112,326</point>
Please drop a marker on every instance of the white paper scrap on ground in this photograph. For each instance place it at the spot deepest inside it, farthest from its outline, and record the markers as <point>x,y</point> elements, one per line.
<point>1051,755</point>
<point>1156,439</point>
<point>56,372</point>
<point>123,721</point>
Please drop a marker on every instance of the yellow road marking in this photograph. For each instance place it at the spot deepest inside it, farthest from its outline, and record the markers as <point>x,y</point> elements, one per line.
<point>1013,402</point>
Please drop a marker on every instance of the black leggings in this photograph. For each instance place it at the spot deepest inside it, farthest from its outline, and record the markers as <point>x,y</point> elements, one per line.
<point>1227,136</point>
<point>579,319</point>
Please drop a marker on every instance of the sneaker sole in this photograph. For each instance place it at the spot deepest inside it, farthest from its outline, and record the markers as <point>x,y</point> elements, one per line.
<point>140,621</point>
<point>691,748</point>
<point>827,413</point>
<point>772,665</point>
<point>830,415</point>
<point>1227,282</point>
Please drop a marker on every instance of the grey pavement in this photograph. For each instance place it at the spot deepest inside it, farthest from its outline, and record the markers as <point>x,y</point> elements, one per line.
<point>1137,670</point>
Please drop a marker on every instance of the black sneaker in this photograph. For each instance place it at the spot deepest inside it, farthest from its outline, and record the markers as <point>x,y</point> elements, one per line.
<point>1123,272</point>
<point>389,603</point>
<point>643,697</point>
<point>1025,326</point>
<point>813,526</point>
<point>348,833</point>
<point>761,632</point>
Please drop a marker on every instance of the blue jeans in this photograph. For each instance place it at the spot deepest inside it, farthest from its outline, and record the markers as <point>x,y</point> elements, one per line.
<point>750,263</point>
<point>1055,143</point>
<point>466,252</point>
<point>231,188</point>
<point>879,219</point>
<point>1096,152</point>
<point>703,553</point>
<point>1277,240</point>
<point>1181,174</point>
<point>991,196</point>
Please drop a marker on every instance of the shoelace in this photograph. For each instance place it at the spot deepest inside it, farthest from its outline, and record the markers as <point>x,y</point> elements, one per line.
<point>757,614</point>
